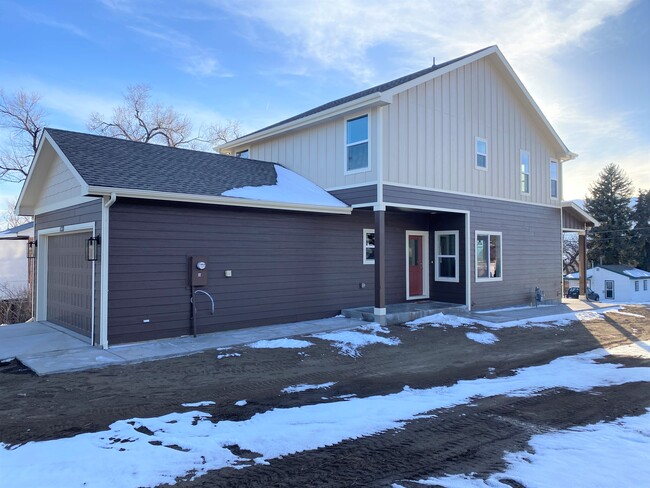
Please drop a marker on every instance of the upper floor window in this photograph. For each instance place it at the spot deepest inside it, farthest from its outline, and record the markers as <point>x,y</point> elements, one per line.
<point>488,256</point>
<point>524,158</point>
<point>447,255</point>
<point>368,246</point>
<point>243,154</point>
<point>356,144</point>
<point>554,184</point>
<point>481,153</point>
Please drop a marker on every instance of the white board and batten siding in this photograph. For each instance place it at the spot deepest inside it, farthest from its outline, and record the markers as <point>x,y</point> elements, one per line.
<point>318,152</point>
<point>429,134</point>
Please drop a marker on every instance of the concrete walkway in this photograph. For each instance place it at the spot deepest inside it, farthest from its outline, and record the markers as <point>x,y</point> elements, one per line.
<point>48,349</point>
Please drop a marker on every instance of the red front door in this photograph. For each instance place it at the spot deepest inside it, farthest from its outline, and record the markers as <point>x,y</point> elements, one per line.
<point>415,266</point>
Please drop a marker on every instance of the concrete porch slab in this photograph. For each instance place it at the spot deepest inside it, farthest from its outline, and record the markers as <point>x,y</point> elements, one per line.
<point>35,338</point>
<point>398,313</point>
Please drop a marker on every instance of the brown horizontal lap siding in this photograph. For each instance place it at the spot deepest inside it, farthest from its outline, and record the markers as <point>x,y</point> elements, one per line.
<point>531,239</point>
<point>286,266</point>
<point>358,195</point>
<point>77,214</point>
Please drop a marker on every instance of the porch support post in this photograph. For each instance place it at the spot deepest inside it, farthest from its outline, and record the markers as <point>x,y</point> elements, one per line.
<point>380,265</point>
<point>582,263</point>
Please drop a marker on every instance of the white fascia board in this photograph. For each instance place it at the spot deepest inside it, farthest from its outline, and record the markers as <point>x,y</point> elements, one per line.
<point>21,207</point>
<point>369,101</point>
<point>576,208</point>
<point>216,200</point>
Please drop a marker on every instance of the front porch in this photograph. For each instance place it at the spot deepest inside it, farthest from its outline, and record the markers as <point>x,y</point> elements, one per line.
<point>398,313</point>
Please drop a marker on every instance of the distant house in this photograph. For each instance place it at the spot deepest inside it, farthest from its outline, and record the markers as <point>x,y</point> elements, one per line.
<point>573,279</point>
<point>620,283</point>
<point>445,185</point>
<point>15,275</point>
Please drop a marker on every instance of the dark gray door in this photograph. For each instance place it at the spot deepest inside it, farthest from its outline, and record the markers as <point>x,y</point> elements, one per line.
<point>69,283</point>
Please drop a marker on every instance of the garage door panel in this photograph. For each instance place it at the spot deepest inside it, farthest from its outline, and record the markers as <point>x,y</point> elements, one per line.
<point>69,283</point>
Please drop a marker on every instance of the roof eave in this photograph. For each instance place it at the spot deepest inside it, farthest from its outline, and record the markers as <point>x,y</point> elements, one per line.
<point>373,100</point>
<point>576,208</point>
<point>216,200</point>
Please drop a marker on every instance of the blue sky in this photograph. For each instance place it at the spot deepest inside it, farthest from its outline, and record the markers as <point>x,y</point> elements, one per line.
<point>586,63</point>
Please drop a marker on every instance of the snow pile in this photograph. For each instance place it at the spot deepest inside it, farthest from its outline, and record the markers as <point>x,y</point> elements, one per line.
<point>350,341</point>
<point>228,355</point>
<point>558,320</point>
<point>153,451</point>
<point>198,404</point>
<point>280,344</point>
<point>602,454</point>
<point>241,403</point>
<point>289,188</point>
<point>299,388</point>
<point>482,337</point>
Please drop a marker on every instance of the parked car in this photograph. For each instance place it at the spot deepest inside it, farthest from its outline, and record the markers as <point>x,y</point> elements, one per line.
<point>574,292</point>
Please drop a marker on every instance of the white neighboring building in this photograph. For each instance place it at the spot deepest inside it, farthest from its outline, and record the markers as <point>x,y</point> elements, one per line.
<point>14,265</point>
<point>621,283</point>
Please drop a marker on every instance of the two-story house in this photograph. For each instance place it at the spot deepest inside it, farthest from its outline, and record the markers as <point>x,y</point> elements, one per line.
<point>443,185</point>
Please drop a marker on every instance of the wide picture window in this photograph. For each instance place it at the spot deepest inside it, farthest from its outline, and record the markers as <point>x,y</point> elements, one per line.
<point>488,256</point>
<point>356,147</point>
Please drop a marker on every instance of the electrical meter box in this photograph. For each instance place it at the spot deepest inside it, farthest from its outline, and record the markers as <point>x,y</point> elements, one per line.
<point>198,270</point>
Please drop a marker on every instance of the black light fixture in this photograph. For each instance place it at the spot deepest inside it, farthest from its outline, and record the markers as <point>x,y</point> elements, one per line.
<point>31,249</point>
<point>92,248</point>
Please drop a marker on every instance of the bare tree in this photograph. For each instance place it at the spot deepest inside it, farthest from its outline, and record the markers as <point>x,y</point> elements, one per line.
<point>141,119</point>
<point>22,116</point>
<point>10,219</point>
<point>570,254</point>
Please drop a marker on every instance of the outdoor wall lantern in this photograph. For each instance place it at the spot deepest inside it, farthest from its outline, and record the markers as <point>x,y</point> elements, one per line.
<point>92,248</point>
<point>31,249</point>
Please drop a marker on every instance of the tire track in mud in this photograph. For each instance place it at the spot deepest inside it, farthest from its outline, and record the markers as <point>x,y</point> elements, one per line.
<point>467,438</point>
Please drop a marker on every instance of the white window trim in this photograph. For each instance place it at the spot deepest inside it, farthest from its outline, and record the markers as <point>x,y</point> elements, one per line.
<point>238,153</point>
<point>522,172</point>
<point>437,234</point>
<point>42,268</point>
<point>488,233</point>
<point>365,233</point>
<point>346,145</point>
<point>425,264</point>
<point>557,180</point>
<point>476,153</point>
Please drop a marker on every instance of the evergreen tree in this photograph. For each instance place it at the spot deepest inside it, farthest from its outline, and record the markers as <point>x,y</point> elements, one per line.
<point>641,234</point>
<point>608,202</point>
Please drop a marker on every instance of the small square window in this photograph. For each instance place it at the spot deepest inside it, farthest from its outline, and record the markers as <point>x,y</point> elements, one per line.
<point>481,153</point>
<point>368,246</point>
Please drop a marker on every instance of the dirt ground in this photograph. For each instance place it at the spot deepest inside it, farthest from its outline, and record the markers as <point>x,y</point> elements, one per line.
<point>457,440</point>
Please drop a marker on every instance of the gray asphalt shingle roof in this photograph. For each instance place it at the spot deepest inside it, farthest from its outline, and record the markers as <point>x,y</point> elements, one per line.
<point>369,91</point>
<point>117,163</point>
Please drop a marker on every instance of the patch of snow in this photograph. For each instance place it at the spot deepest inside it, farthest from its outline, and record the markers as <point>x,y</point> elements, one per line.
<point>603,454</point>
<point>374,327</point>
<point>241,403</point>
<point>229,355</point>
<point>350,341</point>
<point>153,451</point>
<point>289,188</point>
<point>637,273</point>
<point>198,404</point>
<point>482,337</point>
<point>299,388</point>
<point>280,344</point>
<point>440,319</point>
<point>510,309</point>
<point>629,314</point>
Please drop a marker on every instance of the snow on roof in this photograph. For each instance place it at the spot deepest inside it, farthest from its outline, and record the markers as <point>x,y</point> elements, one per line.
<point>289,188</point>
<point>637,273</point>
